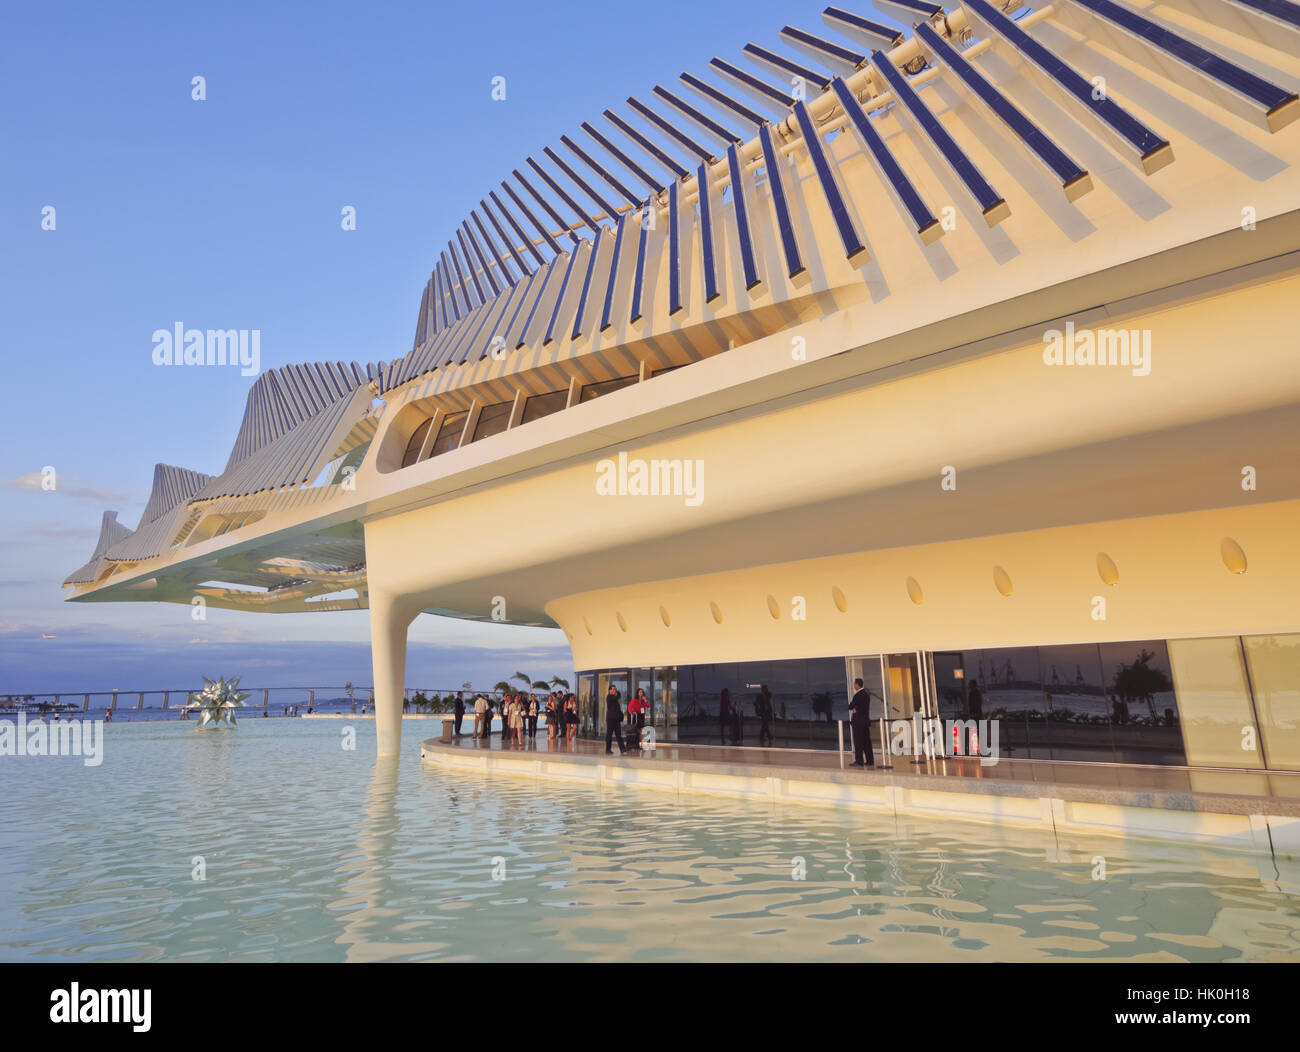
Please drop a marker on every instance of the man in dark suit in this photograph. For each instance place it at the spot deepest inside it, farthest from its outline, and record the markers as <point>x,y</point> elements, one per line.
<point>613,720</point>
<point>860,722</point>
<point>459,711</point>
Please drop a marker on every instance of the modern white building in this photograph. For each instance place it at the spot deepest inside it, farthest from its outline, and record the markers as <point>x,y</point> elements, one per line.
<point>964,360</point>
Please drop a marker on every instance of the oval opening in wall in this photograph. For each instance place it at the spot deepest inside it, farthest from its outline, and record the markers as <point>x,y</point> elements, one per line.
<point>774,608</point>
<point>1107,570</point>
<point>914,591</point>
<point>622,625</point>
<point>663,616</point>
<point>840,600</point>
<point>1233,557</point>
<point>716,611</point>
<point>1001,580</point>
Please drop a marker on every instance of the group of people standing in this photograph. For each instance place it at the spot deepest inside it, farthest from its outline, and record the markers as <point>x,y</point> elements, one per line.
<point>519,714</point>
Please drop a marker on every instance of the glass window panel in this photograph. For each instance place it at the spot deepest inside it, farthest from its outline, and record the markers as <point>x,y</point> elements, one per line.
<point>492,420</point>
<point>606,387</point>
<point>1275,677</point>
<point>665,703</point>
<point>1007,685</point>
<point>417,441</point>
<point>1140,697</point>
<point>1077,723</point>
<point>449,433</point>
<point>542,405</point>
<point>828,702</point>
<point>1214,702</point>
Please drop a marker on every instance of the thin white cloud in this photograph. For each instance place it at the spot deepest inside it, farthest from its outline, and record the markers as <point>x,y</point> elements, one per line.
<point>34,481</point>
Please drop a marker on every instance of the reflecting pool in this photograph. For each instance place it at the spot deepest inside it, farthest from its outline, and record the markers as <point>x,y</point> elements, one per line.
<point>275,842</point>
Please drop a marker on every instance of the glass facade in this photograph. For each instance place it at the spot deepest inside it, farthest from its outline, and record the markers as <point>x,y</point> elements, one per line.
<point>542,405</point>
<point>605,387</point>
<point>1228,702</point>
<point>492,420</point>
<point>449,433</point>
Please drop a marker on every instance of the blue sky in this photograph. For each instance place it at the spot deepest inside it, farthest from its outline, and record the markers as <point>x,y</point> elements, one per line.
<point>225,213</point>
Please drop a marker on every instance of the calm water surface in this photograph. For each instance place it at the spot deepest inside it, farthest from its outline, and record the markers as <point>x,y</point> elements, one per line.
<point>315,853</point>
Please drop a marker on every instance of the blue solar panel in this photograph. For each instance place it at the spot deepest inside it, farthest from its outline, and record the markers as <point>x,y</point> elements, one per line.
<point>609,209</point>
<point>927,226</point>
<point>505,238</point>
<point>587,281</point>
<point>483,316</point>
<point>528,214</point>
<point>638,275</point>
<point>1264,94</point>
<point>448,288</point>
<point>990,201</point>
<point>607,313</point>
<point>909,11</point>
<point>706,234</point>
<point>482,260</point>
<point>469,266</point>
<point>622,158</point>
<point>674,252</point>
<point>824,50</point>
<point>784,66</point>
<point>514,315</point>
<point>1122,124</point>
<point>559,263</point>
<point>645,144</point>
<point>705,122</point>
<point>422,322</point>
<point>524,239</point>
<point>600,170</point>
<point>559,300</point>
<point>874,33</point>
<point>1279,11</point>
<point>435,301</point>
<point>1066,170</point>
<point>751,83</point>
<point>668,129</point>
<point>545,205</point>
<point>433,358</point>
<point>722,99</point>
<point>460,277</point>
<point>744,232</point>
<point>784,224</point>
<point>512,296</point>
<point>519,304</point>
<point>854,249</point>
<point>563,196</point>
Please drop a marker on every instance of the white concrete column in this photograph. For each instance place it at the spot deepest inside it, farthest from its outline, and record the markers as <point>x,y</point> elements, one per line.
<point>388,624</point>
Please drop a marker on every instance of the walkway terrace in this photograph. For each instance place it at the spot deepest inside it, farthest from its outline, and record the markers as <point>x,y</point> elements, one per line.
<point>1259,812</point>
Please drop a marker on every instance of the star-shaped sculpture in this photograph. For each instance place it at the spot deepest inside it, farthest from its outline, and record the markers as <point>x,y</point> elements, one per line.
<point>217,702</point>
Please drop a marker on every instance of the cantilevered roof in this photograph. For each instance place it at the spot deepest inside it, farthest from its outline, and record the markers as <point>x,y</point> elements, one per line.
<point>171,486</point>
<point>110,533</point>
<point>283,398</point>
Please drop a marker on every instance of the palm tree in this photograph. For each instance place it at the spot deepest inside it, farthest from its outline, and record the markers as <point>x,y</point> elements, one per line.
<point>559,681</point>
<point>502,687</point>
<point>541,684</point>
<point>350,690</point>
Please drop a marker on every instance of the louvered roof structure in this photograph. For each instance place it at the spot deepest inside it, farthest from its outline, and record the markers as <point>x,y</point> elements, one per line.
<point>880,180</point>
